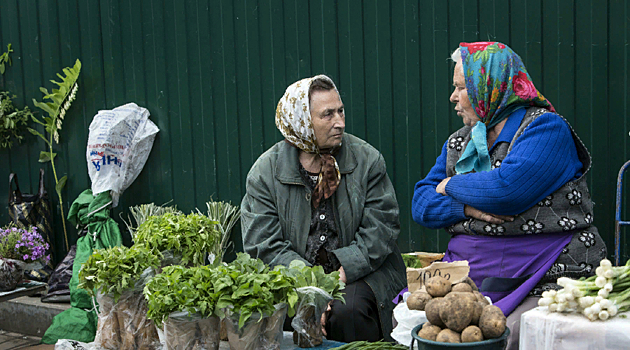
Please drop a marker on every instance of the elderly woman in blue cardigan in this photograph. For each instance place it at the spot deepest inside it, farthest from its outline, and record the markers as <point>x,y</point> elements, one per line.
<point>510,186</point>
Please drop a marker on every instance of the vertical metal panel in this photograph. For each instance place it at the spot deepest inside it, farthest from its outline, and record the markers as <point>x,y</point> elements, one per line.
<point>211,73</point>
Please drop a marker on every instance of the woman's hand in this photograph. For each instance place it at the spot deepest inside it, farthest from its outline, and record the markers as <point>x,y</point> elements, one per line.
<point>342,275</point>
<point>342,278</point>
<point>483,216</point>
<point>324,318</point>
<point>441,188</point>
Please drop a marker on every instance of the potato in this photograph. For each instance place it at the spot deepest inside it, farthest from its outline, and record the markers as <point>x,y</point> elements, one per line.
<point>477,310</point>
<point>418,300</point>
<point>430,332</point>
<point>432,310</point>
<point>448,336</point>
<point>492,322</point>
<point>461,295</point>
<point>438,286</point>
<point>462,287</point>
<point>426,324</point>
<point>456,313</point>
<point>471,283</point>
<point>471,334</point>
<point>481,298</point>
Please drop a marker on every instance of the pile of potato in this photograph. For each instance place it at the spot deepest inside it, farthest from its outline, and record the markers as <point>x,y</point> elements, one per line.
<point>456,313</point>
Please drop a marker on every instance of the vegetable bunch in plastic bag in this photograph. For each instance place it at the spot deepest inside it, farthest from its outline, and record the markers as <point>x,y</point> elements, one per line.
<point>316,290</point>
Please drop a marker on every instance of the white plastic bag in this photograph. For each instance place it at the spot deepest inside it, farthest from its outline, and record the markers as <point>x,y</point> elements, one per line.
<point>407,320</point>
<point>257,333</point>
<point>69,344</point>
<point>124,324</point>
<point>306,322</point>
<point>118,147</point>
<point>185,331</point>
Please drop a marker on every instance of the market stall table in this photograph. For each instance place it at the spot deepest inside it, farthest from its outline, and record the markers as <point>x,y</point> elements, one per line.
<point>544,330</point>
<point>26,288</point>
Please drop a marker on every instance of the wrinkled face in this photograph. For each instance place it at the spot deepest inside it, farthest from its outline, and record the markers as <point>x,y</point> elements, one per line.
<point>460,97</point>
<point>327,115</point>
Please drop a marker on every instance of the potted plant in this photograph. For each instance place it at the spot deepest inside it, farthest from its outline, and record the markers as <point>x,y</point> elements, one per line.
<point>315,290</point>
<point>182,301</point>
<point>182,239</point>
<point>256,301</point>
<point>117,276</point>
<point>18,248</point>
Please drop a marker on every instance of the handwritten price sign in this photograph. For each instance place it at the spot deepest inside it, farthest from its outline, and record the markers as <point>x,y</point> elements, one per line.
<point>455,272</point>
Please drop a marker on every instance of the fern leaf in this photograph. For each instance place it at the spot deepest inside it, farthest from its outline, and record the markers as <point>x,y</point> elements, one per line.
<point>60,100</point>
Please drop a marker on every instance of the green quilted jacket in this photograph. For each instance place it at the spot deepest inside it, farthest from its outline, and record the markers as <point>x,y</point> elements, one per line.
<point>276,216</point>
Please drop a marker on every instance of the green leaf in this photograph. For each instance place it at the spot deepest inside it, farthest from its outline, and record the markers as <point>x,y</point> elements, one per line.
<point>1,68</point>
<point>45,107</point>
<point>60,185</point>
<point>60,99</point>
<point>45,157</point>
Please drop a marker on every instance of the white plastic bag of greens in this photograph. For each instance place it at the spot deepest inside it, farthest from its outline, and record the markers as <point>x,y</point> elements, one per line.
<point>258,333</point>
<point>123,322</point>
<point>191,331</point>
<point>119,144</point>
<point>307,320</point>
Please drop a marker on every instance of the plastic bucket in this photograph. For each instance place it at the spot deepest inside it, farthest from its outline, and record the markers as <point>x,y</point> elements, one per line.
<point>490,344</point>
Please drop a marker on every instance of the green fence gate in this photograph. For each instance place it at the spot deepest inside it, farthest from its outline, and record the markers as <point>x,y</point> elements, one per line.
<point>211,72</point>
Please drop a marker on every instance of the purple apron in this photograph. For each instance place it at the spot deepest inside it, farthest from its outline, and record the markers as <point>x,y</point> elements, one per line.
<point>512,264</point>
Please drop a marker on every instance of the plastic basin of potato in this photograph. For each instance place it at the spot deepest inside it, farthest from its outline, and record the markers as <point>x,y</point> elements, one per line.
<point>490,344</point>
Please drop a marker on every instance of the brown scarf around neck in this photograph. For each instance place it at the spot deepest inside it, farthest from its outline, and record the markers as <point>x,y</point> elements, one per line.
<point>328,180</point>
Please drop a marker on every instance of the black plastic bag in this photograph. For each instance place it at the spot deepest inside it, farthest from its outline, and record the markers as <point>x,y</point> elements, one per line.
<point>58,289</point>
<point>33,210</point>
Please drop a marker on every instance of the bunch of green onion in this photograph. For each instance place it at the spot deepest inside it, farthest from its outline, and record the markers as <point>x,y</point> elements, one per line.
<point>598,297</point>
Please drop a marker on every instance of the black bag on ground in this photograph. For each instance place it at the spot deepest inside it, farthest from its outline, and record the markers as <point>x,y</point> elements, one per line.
<point>33,210</point>
<point>58,289</point>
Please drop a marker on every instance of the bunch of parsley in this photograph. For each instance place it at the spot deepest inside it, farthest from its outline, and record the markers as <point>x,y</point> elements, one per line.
<point>307,276</point>
<point>247,286</point>
<point>116,270</point>
<point>189,236</point>
<point>178,288</point>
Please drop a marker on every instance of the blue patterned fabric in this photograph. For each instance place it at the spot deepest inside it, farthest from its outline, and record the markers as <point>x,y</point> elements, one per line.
<point>498,84</point>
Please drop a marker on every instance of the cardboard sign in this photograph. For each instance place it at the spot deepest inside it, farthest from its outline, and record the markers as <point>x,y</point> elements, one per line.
<point>455,271</point>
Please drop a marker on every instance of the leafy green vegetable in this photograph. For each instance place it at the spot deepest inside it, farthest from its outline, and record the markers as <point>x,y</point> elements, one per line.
<point>226,215</point>
<point>411,261</point>
<point>116,270</point>
<point>248,286</point>
<point>183,289</point>
<point>191,236</point>
<point>142,212</point>
<point>12,120</point>
<point>364,345</point>
<point>315,276</point>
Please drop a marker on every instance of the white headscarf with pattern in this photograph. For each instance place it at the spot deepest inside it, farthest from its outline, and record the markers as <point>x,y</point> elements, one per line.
<point>293,119</point>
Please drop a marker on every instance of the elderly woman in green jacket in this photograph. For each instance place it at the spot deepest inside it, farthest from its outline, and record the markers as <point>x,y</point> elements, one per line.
<point>323,196</point>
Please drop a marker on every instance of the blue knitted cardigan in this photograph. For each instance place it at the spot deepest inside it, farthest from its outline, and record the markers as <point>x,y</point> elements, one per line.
<point>542,160</point>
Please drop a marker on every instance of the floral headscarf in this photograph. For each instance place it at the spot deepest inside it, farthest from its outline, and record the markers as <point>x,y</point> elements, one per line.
<point>498,84</point>
<point>293,119</point>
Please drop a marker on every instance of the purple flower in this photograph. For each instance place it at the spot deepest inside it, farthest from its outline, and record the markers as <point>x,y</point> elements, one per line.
<point>23,244</point>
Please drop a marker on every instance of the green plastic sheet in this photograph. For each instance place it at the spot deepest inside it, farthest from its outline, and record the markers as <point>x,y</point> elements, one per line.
<point>79,322</point>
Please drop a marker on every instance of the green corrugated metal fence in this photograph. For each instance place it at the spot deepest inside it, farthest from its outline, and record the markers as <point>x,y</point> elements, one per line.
<point>211,72</point>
